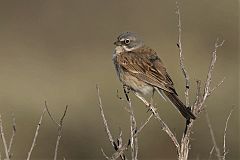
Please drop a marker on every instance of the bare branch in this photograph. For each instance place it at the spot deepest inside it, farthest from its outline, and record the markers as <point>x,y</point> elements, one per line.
<point>163,124</point>
<point>50,115</point>
<point>104,119</point>
<point>133,127</point>
<point>104,154</point>
<point>120,140</point>
<point>181,60</point>
<point>3,139</point>
<point>224,135</point>
<point>36,134</point>
<point>63,116</point>
<point>207,89</point>
<point>59,125</point>
<point>184,145</point>
<point>119,152</point>
<point>219,84</point>
<point>133,142</point>
<point>213,137</point>
<point>13,134</point>
<point>210,153</point>
<point>128,110</point>
<point>60,132</point>
<point>115,146</point>
<point>198,106</point>
<point>143,125</point>
<point>198,98</point>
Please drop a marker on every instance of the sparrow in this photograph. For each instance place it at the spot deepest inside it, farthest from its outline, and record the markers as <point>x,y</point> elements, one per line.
<point>140,69</point>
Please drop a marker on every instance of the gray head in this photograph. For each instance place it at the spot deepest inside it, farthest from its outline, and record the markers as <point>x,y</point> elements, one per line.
<point>129,41</point>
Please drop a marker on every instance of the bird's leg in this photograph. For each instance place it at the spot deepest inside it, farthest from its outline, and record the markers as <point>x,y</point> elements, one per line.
<point>126,92</point>
<point>127,89</point>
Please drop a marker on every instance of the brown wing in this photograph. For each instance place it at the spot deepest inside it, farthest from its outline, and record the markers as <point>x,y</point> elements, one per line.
<point>145,65</point>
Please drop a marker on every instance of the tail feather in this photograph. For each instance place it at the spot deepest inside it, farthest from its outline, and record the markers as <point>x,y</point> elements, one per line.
<point>186,112</point>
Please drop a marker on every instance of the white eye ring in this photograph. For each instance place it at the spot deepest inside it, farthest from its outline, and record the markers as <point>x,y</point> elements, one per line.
<point>127,41</point>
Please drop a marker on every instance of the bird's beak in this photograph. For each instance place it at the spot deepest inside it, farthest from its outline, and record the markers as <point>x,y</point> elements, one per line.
<point>117,43</point>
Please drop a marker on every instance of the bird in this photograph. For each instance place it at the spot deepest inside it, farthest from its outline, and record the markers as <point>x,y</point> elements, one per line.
<point>140,69</point>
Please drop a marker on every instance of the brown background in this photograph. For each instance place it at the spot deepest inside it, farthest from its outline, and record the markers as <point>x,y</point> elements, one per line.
<point>59,50</point>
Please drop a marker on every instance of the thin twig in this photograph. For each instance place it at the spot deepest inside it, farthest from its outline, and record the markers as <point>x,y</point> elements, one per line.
<point>144,124</point>
<point>200,100</point>
<point>119,152</point>
<point>50,115</point>
<point>120,140</point>
<point>210,153</point>
<point>13,134</point>
<point>199,104</point>
<point>119,147</point>
<point>59,125</point>
<point>207,89</point>
<point>104,119</point>
<point>36,134</point>
<point>219,84</point>
<point>184,145</point>
<point>181,60</point>
<point>163,124</point>
<point>60,132</point>
<point>3,139</point>
<point>133,127</point>
<point>224,135</point>
<point>213,137</point>
<point>110,137</point>
<point>104,154</point>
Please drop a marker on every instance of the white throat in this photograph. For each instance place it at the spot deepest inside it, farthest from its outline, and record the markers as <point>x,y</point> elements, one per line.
<point>119,50</point>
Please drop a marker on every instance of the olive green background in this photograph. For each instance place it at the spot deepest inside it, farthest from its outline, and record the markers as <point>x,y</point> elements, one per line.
<point>59,50</point>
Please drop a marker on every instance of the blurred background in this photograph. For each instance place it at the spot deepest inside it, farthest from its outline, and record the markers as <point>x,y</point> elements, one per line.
<point>59,50</point>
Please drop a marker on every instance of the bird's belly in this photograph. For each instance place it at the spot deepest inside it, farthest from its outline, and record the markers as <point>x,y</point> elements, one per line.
<point>135,84</point>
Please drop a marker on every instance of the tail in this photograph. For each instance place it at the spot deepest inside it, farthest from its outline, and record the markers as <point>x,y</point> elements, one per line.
<point>185,111</point>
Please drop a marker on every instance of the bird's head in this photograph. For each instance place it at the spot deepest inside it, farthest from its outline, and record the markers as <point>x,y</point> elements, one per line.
<point>129,41</point>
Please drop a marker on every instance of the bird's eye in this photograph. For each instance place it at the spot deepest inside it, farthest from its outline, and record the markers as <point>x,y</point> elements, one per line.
<point>127,41</point>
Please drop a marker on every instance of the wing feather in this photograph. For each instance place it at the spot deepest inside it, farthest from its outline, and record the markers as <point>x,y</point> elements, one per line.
<point>145,65</point>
